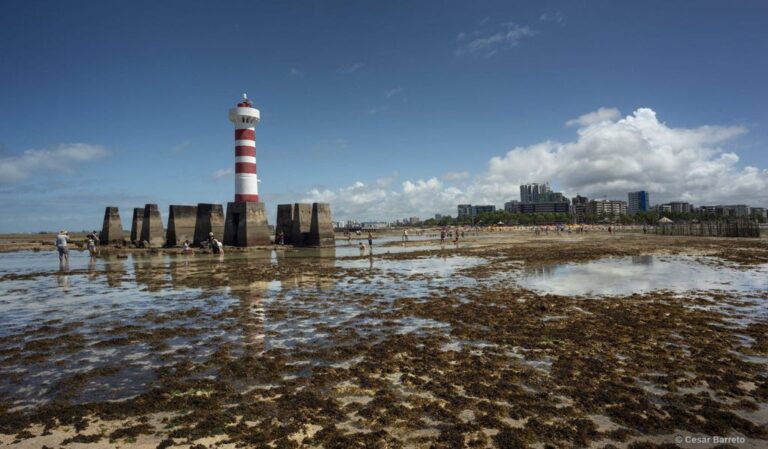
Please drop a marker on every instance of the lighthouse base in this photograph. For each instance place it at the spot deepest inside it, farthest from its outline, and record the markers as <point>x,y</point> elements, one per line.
<point>246,225</point>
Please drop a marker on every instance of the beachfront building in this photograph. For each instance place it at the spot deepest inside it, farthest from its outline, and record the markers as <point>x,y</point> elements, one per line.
<point>468,210</point>
<point>550,207</point>
<point>606,208</point>
<point>579,208</point>
<point>533,192</point>
<point>513,207</point>
<point>639,201</point>
<point>758,212</point>
<point>464,210</point>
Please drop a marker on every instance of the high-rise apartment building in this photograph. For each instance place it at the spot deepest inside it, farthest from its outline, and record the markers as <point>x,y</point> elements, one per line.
<point>607,208</point>
<point>513,207</point>
<point>468,210</point>
<point>464,210</point>
<point>639,201</point>
<point>534,192</point>
<point>540,193</point>
<point>579,208</point>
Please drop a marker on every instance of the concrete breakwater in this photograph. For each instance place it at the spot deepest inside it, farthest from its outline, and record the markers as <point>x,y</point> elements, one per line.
<point>244,225</point>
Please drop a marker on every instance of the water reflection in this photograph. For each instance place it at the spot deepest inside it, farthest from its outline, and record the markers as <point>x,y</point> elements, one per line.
<point>637,274</point>
<point>645,259</point>
<point>139,313</point>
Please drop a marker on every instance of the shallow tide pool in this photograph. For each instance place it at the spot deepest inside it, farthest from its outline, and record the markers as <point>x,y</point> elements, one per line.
<point>640,274</point>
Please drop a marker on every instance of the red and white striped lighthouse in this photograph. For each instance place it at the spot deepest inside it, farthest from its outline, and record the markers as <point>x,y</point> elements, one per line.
<point>245,117</point>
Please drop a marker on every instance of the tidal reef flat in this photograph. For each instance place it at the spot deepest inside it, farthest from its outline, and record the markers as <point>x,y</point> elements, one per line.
<point>506,340</point>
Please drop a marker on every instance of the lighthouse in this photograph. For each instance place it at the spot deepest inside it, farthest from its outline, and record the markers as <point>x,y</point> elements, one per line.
<point>246,222</point>
<point>245,118</point>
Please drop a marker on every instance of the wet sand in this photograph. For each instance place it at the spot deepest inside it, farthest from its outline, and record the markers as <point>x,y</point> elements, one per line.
<point>454,346</point>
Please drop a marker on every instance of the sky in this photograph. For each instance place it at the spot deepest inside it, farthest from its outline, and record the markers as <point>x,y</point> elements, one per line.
<point>384,109</point>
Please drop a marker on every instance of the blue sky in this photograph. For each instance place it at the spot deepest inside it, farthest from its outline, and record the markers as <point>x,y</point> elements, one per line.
<point>385,109</point>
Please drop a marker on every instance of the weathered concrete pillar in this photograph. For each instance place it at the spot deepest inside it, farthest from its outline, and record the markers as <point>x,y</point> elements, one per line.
<point>302,218</point>
<point>181,225</point>
<point>321,228</point>
<point>111,228</point>
<point>152,227</point>
<point>246,225</point>
<point>210,218</point>
<point>136,222</point>
<point>284,223</point>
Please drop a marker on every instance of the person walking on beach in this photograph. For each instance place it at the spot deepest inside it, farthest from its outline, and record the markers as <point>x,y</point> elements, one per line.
<point>442,236</point>
<point>61,245</point>
<point>370,240</point>
<point>185,247</point>
<point>405,235</point>
<point>281,238</point>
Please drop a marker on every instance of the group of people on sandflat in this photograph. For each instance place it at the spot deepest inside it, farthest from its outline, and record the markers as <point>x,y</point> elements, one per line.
<point>62,244</point>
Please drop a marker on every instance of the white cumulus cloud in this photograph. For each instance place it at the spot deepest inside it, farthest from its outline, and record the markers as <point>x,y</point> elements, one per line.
<point>591,118</point>
<point>222,173</point>
<point>610,156</point>
<point>64,158</point>
<point>488,43</point>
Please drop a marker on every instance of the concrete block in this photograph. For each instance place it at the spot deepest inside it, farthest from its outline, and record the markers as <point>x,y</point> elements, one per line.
<point>181,225</point>
<point>152,227</point>
<point>284,223</point>
<point>321,229</point>
<point>210,218</point>
<point>112,227</point>
<point>246,225</point>
<point>302,218</point>
<point>136,222</point>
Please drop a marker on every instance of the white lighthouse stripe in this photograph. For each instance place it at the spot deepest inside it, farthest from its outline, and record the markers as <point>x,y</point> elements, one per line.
<point>250,159</point>
<point>246,184</point>
<point>245,143</point>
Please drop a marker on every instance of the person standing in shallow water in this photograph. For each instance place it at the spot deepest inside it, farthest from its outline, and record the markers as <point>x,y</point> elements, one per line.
<point>91,246</point>
<point>370,240</point>
<point>61,245</point>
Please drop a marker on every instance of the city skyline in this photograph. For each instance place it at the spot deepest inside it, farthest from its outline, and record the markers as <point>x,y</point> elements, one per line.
<point>430,106</point>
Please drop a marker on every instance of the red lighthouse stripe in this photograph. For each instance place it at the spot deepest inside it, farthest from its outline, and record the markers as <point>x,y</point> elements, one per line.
<point>245,151</point>
<point>245,167</point>
<point>245,134</point>
<point>241,198</point>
